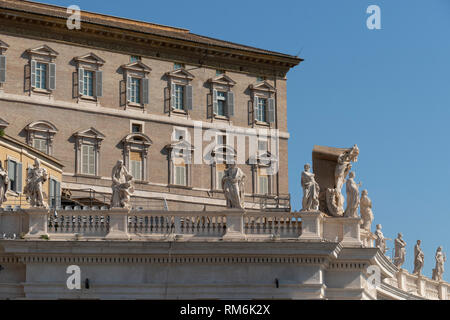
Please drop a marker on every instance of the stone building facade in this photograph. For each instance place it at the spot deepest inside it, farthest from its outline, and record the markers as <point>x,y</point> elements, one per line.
<point>122,89</point>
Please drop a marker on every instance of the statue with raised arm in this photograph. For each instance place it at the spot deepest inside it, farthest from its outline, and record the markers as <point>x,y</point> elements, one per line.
<point>380,240</point>
<point>419,259</point>
<point>400,251</point>
<point>366,211</point>
<point>233,186</point>
<point>310,190</point>
<point>122,186</point>
<point>352,197</point>
<point>4,181</point>
<point>438,271</point>
<point>33,190</point>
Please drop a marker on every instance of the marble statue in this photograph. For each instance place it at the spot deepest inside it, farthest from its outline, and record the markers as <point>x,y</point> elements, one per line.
<point>334,197</point>
<point>33,190</point>
<point>438,271</point>
<point>380,241</point>
<point>366,211</point>
<point>233,186</point>
<point>4,181</point>
<point>310,190</point>
<point>400,251</point>
<point>352,197</point>
<point>419,258</point>
<point>122,186</point>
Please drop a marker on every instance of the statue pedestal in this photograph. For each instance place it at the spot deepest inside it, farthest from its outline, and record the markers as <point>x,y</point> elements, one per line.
<point>118,224</point>
<point>421,285</point>
<point>367,238</point>
<point>235,225</point>
<point>312,225</point>
<point>401,279</point>
<point>38,222</point>
<point>342,229</point>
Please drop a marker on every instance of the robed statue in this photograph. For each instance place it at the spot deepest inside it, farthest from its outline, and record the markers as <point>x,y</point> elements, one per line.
<point>33,190</point>
<point>4,181</point>
<point>438,271</point>
<point>380,240</point>
<point>233,186</point>
<point>419,258</point>
<point>400,251</point>
<point>352,197</point>
<point>310,190</point>
<point>366,211</point>
<point>122,186</point>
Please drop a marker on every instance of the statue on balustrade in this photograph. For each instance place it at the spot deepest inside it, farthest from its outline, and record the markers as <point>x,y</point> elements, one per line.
<point>419,259</point>
<point>400,251</point>
<point>36,176</point>
<point>334,197</point>
<point>380,241</point>
<point>310,190</point>
<point>366,211</point>
<point>352,197</point>
<point>233,186</point>
<point>438,271</point>
<point>4,181</point>
<point>122,186</point>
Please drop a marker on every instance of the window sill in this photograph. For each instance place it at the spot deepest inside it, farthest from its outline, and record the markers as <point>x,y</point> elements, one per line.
<point>217,191</point>
<point>178,111</point>
<point>221,118</point>
<point>179,187</point>
<point>88,98</point>
<point>135,105</point>
<point>41,91</point>
<point>261,123</point>
<point>81,175</point>
<point>140,182</point>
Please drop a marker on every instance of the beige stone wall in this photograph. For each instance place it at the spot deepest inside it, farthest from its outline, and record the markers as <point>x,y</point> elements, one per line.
<point>111,119</point>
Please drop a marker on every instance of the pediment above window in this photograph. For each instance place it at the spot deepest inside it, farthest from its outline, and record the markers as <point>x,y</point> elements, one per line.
<point>90,58</point>
<point>43,51</point>
<point>263,86</point>
<point>42,126</point>
<point>223,79</point>
<point>90,133</point>
<point>3,124</point>
<point>180,145</point>
<point>223,154</point>
<point>3,46</point>
<point>263,159</point>
<point>180,73</point>
<point>137,66</point>
<point>137,139</point>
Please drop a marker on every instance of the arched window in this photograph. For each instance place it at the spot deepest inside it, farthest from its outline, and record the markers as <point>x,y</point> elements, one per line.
<point>135,152</point>
<point>40,136</point>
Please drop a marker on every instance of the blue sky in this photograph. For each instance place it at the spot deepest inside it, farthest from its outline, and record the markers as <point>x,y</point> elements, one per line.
<point>386,90</point>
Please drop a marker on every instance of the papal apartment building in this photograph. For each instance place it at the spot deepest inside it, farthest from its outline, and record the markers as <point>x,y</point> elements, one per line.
<point>121,89</point>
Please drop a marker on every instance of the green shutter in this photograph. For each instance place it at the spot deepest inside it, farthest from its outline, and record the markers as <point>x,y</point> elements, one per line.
<point>271,110</point>
<point>215,103</point>
<point>33,74</point>
<point>230,104</point>
<point>80,81</point>
<point>52,76</point>
<point>98,84</point>
<point>255,108</point>
<point>58,194</point>
<point>19,178</point>
<point>51,196</point>
<point>128,89</point>
<point>11,172</point>
<point>173,97</point>
<point>188,97</point>
<point>2,69</point>
<point>145,91</point>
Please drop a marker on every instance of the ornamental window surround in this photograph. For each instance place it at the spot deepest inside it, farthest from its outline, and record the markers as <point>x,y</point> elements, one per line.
<point>40,135</point>
<point>135,154</point>
<point>42,79</point>
<point>3,47</point>
<point>179,94</point>
<point>180,155</point>
<point>263,166</point>
<point>222,105</point>
<point>137,84</point>
<point>88,143</point>
<point>90,77</point>
<point>262,110</point>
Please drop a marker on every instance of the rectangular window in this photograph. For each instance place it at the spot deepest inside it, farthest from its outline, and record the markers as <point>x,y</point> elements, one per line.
<point>261,110</point>
<point>88,159</point>
<point>221,103</point>
<point>41,75</point>
<point>220,172</point>
<point>135,58</point>
<point>180,177</point>
<point>263,181</point>
<point>135,92</point>
<point>262,146</point>
<point>220,72</point>
<point>15,176</point>
<point>88,83</point>
<point>136,165</point>
<point>40,144</point>
<point>54,193</point>
<point>177,66</point>
<point>179,97</point>
<point>136,128</point>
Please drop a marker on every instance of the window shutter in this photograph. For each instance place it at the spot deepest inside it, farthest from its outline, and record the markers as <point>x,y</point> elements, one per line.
<point>172,95</point>
<point>58,194</point>
<point>230,104</point>
<point>188,97</point>
<point>19,178</point>
<point>215,103</point>
<point>33,74</point>
<point>145,91</point>
<point>98,83</point>
<point>128,89</point>
<point>11,173</point>
<point>271,111</point>
<point>52,76</point>
<point>80,81</point>
<point>2,69</point>
<point>52,192</point>
<point>255,108</point>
